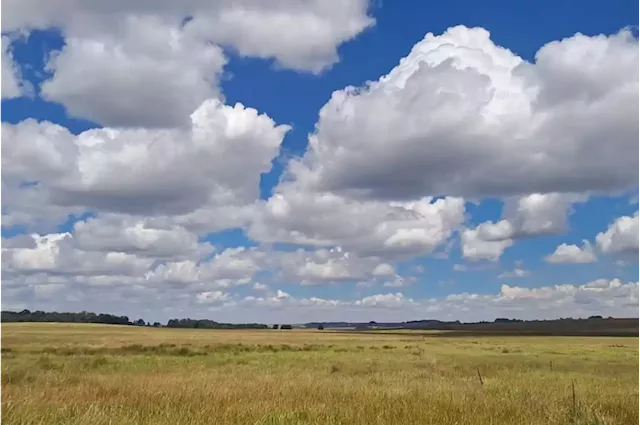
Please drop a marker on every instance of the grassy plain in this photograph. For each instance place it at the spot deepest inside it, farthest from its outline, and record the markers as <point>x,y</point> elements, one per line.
<point>96,374</point>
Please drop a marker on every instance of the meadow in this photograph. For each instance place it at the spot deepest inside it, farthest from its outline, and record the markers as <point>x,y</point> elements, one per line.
<point>100,374</point>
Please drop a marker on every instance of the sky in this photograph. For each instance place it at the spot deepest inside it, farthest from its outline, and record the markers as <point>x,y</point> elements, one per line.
<point>320,160</point>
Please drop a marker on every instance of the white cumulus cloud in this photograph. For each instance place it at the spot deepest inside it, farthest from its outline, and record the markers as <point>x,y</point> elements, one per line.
<point>565,253</point>
<point>515,273</point>
<point>125,79</point>
<point>461,116</point>
<point>152,63</point>
<point>621,236</point>
<point>216,163</point>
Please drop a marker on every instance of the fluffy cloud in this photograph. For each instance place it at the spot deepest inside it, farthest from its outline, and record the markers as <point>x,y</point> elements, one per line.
<point>517,272</point>
<point>299,34</point>
<point>112,70</point>
<point>370,228</point>
<point>460,116</point>
<point>384,269</point>
<point>157,238</point>
<point>57,254</point>
<point>302,35</point>
<point>539,214</point>
<point>260,287</point>
<point>212,297</point>
<point>572,254</point>
<point>125,262</point>
<point>327,266</point>
<point>474,247</point>
<point>124,79</point>
<point>527,216</point>
<point>217,162</point>
<point>232,267</point>
<point>621,236</point>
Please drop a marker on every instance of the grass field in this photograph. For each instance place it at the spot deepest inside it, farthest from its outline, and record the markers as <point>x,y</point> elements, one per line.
<point>96,374</point>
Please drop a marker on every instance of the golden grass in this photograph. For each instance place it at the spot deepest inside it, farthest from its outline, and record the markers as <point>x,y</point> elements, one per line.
<point>94,374</point>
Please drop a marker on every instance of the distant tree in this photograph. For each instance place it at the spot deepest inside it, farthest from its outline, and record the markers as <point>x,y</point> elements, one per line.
<point>210,324</point>
<point>156,324</point>
<point>89,317</point>
<point>274,327</point>
<point>54,316</point>
<point>286,327</point>
<point>320,327</point>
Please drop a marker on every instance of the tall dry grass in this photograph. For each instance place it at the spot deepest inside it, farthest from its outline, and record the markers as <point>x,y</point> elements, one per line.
<point>93,374</point>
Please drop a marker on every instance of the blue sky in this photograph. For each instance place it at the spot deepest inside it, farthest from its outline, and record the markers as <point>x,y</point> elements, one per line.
<point>471,204</point>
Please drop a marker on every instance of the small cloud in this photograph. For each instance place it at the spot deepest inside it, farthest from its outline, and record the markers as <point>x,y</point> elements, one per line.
<point>515,273</point>
<point>460,268</point>
<point>383,269</point>
<point>212,297</point>
<point>282,295</point>
<point>572,254</point>
<point>447,283</point>
<point>475,267</point>
<point>366,284</point>
<point>260,287</point>
<point>399,282</point>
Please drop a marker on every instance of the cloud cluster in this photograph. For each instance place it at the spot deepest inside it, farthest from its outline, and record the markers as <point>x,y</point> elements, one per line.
<point>462,116</point>
<point>300,34</point>
<point>602,296</point>
<point>216,162</point>
<point>372,228</point>
<point>620,238</point>
<point>152,63</point>
<point>385,179</point>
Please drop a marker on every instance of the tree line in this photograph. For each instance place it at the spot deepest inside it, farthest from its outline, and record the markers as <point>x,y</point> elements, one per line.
<point>593,325</point>
<point>210,324</point>
<point>54,316</point>
<point>110,319</point>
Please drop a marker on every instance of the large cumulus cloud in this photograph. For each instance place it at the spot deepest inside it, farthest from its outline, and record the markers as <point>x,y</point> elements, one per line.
<point>461,116</point>
<point>216,162</point>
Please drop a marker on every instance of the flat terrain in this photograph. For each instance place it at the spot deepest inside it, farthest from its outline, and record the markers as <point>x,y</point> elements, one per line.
<point>98,374</point>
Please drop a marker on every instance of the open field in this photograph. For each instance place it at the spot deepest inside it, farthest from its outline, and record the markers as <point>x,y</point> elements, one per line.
<point>99,374</point>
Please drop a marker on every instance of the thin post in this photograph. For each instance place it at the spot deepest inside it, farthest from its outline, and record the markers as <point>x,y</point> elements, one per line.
<point>480,377</point>
<point>573,396</point>
<point>550,365</point>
